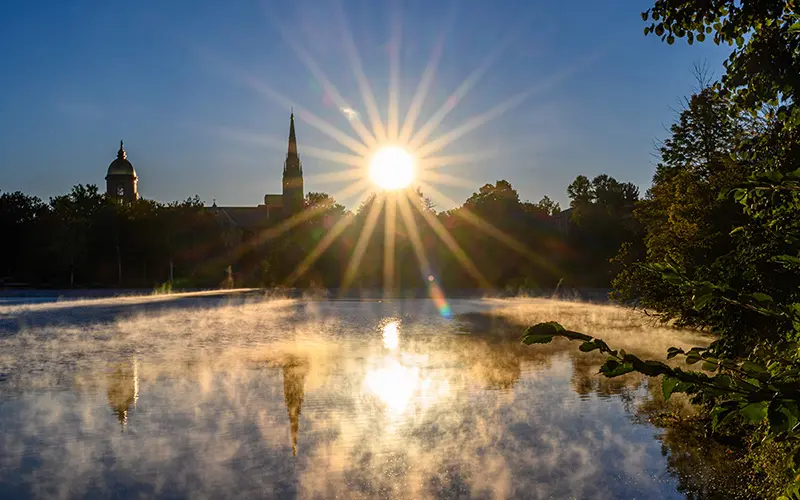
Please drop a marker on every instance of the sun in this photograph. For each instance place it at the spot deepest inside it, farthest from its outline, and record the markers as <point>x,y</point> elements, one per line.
<point>391,168</point>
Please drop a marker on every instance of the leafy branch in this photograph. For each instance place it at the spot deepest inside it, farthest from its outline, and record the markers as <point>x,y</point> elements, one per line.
<point>747,389</point>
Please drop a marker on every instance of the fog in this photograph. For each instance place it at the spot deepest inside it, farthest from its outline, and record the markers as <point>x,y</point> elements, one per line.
<point>215,396</point>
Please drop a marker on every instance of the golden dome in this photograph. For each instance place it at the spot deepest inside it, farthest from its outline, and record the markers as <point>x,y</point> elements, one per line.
<point>121,165</point>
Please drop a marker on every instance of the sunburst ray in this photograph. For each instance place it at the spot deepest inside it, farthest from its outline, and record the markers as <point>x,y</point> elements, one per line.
<point>461,256</point>
<point>442,178</point>
<point>433,162</point>
<point>307,116</point>
<point>497,110</point>
<point>428,74</point>
<point>476,121</point>
<point>389,239</point>
<point>362,242</point>
<point>338,176</point>
<point>363,83</point>
<point>290,223</point>
<point>329,87</point>
<point>413,233</point>
<point>273,142</point>
<point>395,42</point>
<point>319,249</point>
<point>487,228</point>
<point>455,98</point>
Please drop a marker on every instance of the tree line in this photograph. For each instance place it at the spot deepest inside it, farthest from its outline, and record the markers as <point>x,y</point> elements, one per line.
<point>396,240</point>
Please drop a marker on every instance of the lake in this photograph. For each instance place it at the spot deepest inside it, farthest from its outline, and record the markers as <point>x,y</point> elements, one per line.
<point>192,396</point>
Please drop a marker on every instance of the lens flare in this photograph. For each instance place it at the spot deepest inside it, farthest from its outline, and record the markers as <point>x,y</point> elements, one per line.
<point>436,294</point>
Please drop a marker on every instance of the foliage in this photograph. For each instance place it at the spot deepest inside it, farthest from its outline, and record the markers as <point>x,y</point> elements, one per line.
<point>764,67</point>
<point>602,223</point>
<point>751,373</point>
<point>683,219</point>
<point>744,125</point>
<point>750,390</point>
<point>548,206</point>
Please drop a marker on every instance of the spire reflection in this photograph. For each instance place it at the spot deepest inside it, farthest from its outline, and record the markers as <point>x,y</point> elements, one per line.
<point>294,378</point>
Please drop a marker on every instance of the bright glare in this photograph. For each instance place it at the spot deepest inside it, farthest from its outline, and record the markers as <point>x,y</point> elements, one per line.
<point>390,335</point>
<point>394,384</point>
<point>391,168</point>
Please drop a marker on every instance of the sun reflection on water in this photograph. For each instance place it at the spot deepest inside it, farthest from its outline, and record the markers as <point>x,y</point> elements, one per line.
<point>398,379</point>
<point>394,384</point>
<point>391,332</point>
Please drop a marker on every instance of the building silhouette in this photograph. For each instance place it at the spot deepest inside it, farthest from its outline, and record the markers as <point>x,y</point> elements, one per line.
<point>122,184</point>
<point>121,180</point>
<point>290,202</point>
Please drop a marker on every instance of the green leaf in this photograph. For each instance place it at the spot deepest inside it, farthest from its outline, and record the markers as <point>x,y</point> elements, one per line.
<point>613,368</point>
<point>673,351</point>
<point>649,368</point>
<point>723,413</point>
<point>547,328</point>
<point>787,259</point>
<point>795,27</point>
<point>754,412</point>
<point>541,333</point>
<point>702,296</point>
<point>692,358</point>
<point>668,385</point>
<point>537,339</point>
<point>761,297</point>
<point>709,366</point>
<point>723,380</point>
<point>754,369</point>
<point>782,416</point>
<point>670,40</point>
<point>574,335</point>
<point>588,347</point>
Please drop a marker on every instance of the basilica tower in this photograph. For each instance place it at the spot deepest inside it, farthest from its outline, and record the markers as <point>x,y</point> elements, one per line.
<point>121,180</point>
<point>293,196</point>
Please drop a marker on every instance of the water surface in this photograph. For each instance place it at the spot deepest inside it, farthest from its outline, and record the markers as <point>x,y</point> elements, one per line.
<point>188,396</point>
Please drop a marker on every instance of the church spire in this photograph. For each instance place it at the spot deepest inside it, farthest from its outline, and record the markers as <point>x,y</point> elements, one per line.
<point>292,138</point>
<point>293,197</point>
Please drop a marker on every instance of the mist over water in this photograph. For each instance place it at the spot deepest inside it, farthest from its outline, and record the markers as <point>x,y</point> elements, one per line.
<point>184,396</point>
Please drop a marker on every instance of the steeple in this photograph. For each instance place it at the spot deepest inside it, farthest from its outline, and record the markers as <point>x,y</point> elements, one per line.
<point>292,138</point>
<point>293,196</point>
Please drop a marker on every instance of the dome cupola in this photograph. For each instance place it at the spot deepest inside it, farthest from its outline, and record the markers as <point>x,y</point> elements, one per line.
<point>121,180</point>
<point>121,165</point>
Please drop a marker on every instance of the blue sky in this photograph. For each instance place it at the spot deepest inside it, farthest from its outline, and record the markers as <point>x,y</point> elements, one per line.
<point>200,91</point>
